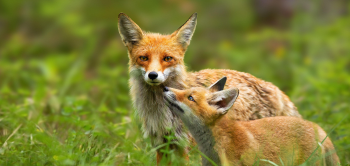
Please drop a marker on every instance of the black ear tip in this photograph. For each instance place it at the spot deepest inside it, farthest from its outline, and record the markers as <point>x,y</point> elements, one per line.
<point>223,80</point>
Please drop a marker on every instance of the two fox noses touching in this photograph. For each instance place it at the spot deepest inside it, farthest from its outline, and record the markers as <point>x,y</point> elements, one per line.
<point>152,75</point>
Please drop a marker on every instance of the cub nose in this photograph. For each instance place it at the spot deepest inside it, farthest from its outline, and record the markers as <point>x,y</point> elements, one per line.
<point>152,75</point>
<point>166,89</point>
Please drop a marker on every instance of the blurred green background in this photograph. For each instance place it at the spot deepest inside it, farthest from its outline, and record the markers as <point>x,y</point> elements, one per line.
<point>64,96</point>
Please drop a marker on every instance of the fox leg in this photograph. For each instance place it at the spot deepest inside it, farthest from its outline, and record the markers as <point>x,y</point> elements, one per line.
<point>159,157</point>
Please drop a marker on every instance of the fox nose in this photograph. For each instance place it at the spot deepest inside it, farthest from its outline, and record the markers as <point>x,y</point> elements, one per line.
<point>166,89</point>
<point>152,75</point>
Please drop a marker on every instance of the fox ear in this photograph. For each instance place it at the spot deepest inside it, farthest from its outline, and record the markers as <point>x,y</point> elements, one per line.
<point>130,32</point>
<point>223,100</point>
<point>184,34</point>
<point>218,85</point>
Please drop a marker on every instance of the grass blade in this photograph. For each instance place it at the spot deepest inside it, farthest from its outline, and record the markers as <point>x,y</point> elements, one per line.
<point>274,164</point>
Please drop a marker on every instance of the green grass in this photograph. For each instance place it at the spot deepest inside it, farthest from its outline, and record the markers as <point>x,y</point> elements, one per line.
<point>64,95</point>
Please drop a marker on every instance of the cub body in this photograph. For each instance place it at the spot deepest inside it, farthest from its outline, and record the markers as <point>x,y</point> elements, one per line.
<point>226,141</point>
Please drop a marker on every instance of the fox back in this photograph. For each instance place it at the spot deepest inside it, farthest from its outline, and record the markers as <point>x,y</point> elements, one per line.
<point>288,139</point>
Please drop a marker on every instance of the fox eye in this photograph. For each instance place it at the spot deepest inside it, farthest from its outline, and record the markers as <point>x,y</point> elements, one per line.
<point>190,98</point>
<point>143,58</point>
<point>168,58</point>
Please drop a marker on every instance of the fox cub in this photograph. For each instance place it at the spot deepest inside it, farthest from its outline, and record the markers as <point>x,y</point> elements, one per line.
<point>156,61</point>
<point>288,139</point>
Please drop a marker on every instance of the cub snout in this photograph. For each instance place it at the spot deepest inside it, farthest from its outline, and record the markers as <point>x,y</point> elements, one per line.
<point>166,89</point>
<point>169,96</point>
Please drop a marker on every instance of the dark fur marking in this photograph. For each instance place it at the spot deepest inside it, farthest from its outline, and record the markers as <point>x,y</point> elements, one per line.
<point>174,105</point>
<point>265,90</point>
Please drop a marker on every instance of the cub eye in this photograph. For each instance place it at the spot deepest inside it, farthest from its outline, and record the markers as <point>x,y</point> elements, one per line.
<point>190,98</point>
<point>168,59</point>
<point>143,58</point>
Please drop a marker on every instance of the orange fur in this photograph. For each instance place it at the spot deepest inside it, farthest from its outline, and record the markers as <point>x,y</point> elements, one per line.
<point>156,47</point>
<point>258,98</point>
<point>289,138</point>
<point>245,142</point>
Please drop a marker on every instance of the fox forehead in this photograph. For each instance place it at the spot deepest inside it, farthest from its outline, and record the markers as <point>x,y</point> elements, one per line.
<point>154,43</point>
<point>199,92</point>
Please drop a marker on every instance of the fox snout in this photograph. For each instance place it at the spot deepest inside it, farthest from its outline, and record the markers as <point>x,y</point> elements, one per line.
<point>154,78</point>
<point>171,101</point>
<point>153,75</point>
<point>158,77</point>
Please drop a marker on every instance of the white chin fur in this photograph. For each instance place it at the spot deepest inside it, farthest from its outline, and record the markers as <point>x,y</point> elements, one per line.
<point>150,107</point>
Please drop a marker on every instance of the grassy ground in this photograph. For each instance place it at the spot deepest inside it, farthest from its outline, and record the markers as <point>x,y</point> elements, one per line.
<point>64,88</point>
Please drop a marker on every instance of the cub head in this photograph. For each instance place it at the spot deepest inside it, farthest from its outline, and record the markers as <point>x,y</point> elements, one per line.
<point>153,56</point>
<point>201,105</point>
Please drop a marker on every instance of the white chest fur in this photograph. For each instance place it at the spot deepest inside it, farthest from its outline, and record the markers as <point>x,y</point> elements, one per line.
<point>157,119</point>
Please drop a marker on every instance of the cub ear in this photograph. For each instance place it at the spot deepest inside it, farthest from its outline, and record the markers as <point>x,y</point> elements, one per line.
<point>218,85</point>
<point>223,100</point>
<point>130,32</point>
<point>184,34</point>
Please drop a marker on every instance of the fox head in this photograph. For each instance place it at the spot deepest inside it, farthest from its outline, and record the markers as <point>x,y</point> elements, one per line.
<point>153,56</point>
<point>201,105</point>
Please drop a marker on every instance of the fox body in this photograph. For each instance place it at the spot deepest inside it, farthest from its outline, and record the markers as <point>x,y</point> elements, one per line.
<point>156,61</point>
<point>225,141</point>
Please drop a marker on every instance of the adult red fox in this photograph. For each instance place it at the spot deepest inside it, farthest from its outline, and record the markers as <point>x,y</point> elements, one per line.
<point>282,140</point>
<point>156,61</point>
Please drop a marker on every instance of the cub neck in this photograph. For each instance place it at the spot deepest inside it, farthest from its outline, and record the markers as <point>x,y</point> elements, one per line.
<point>205,140</point>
